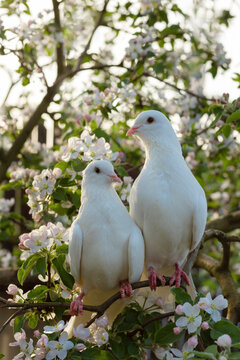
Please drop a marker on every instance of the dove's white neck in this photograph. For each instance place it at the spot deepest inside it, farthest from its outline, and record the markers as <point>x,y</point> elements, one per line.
<point>93,191</point>
<point>163,153</point>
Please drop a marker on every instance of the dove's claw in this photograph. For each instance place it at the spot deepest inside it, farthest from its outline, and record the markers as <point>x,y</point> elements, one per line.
<point>152,278</point>
<point>126,290</point>
<point>76,307</point>
<point>177,277</point>
<point>162,279</point>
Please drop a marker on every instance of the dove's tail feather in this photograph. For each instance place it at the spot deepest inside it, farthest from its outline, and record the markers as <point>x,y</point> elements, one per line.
<point>97,297</point>
<point>191,289</point>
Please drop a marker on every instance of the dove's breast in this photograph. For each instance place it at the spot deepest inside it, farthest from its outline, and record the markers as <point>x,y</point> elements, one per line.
<point>162,206</point>
<point>106,233</point>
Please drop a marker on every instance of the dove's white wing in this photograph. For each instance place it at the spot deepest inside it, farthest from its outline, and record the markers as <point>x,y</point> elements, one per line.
<point>135,255</point>
<point>75,250</point>
<point>199,220</point>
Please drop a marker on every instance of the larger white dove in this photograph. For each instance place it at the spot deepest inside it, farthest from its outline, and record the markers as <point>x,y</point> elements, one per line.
<point>106,247</point>
<point>166,201</point>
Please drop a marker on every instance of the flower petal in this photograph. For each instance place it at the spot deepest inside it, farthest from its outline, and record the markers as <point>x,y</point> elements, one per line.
<point>187,309</point>
<point>182,321</point>
<point>216,316</point>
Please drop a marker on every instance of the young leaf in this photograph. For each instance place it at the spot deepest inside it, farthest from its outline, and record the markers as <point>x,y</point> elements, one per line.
<point>226,327</point>
<point>181,296</point>
<point>65,276</point>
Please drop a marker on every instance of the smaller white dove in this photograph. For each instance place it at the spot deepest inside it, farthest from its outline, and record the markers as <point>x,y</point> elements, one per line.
<point>166,201</point>
<point>106,247</point>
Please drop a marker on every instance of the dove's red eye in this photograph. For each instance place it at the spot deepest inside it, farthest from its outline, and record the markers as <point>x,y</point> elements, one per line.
<point>150,120</point>
<point>97,170</point>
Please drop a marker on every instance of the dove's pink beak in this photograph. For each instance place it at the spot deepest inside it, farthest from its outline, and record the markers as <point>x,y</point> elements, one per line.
<point>115,178</point>
<point>132,130</point>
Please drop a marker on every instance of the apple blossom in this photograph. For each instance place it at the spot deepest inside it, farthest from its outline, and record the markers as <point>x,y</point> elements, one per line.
<point>100,336</point>
<point>12,289</point>
<point>179,310</point>
<point>81,332</point>
<point>177,330</point>
<point>56,328</point>
<point>205,325</point>
<point>192,320</point>
<point>59,348</point>
<point>213,307</point>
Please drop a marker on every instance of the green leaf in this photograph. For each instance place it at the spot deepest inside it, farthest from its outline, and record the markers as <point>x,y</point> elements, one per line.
<point>166,335</point>
<point>62,165</point>
<point>93,354</point>
<point>40,266</point>
<point>1,356</point>
<point>226,327</point>
<point>204,355</point>
<point>59,194</point>
<point>121,171</point>
<point>93,125</point>
<point>26,267</point>
<point>33,321</point>
<point>234,116</point>
<point>101,133</point>
<point>62,249</point>
<point>37,292</point>
<point>234,356</point>
<point>212,349</point>
<point>181,296</point>
<point>65,276</point>
<point>25,81</point>
<point>78,165</point>
<point>18,323</point>
<point>226,130</point>
<point>76,199</point>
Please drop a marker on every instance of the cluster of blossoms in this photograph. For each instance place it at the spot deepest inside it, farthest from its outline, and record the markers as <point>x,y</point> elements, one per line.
<point>42,185</point>
<point>42,238</point>
<point>6,204</point>
<point>141,44</point>
<point>193,318</point>
<point>88,148</point>
<point>99,99</point>
<point>50,349</point>
<point>23,174</point>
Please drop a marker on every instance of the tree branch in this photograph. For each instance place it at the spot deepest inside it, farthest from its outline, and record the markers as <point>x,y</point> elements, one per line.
<point>59,46</point>
<point>10,318</point>
<point>226,223</point>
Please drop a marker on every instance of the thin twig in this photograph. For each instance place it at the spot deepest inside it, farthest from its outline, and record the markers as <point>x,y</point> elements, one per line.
<point>10,318</point>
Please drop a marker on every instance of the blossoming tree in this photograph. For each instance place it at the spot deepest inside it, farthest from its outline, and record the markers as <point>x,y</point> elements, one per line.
<point>88,68</point>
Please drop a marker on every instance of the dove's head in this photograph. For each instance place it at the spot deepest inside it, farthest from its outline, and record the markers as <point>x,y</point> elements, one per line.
<point>153,127</point>
<point>100,172</point>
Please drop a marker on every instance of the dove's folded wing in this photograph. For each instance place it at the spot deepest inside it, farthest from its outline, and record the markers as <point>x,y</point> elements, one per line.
<point>135,255</point>
<point>199,220</point>
<point>75,250</point>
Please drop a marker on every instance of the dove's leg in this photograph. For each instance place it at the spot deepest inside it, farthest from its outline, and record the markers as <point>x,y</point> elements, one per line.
<point>152,278</point>
<point>126,289</point>
<point>76,307</point>
<point>177,277</point>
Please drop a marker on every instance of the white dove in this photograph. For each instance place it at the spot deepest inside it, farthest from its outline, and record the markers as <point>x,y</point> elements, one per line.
<point>106,247</point>
<point>166,201</point>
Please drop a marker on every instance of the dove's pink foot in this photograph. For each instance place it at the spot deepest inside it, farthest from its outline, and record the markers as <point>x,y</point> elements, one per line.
<point>177,277</point>
<point>152,278</point>
<point>76,307</point>
<point>126,290</point>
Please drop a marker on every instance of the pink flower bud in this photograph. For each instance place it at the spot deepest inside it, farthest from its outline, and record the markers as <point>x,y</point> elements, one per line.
<point>36,333</point>
<point>182,131</point>
<point>12,289</point>
<point>177,330</point>
<point>87,117</point>
<point>224,341</point>
<point>193,341</point>
<point>205,325</point>
<point>80,346</point>
<point>179,310</point>
<point>106,91</point>
<point>121,154</point>
<point>11,323</point>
